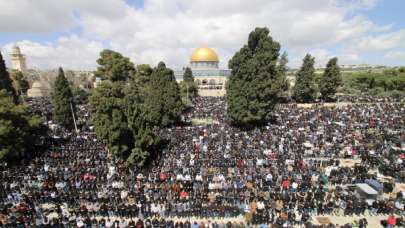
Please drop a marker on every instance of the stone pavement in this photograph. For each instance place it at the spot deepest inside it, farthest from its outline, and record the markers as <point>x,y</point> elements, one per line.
<point>373,221</point>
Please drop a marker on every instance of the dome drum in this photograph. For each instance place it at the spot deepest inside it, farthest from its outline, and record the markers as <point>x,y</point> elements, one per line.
<point>204,65</point>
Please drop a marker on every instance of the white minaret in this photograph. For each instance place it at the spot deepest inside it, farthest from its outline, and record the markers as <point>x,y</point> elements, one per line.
<point>18,59</point>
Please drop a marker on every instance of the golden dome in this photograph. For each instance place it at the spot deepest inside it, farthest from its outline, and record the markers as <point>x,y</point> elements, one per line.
<point>204,54</point>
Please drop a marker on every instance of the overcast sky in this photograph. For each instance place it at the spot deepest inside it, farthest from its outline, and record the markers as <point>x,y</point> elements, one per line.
<point>71,33</point>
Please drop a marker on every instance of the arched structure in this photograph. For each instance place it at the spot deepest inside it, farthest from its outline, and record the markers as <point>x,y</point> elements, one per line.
<point>204,63</point>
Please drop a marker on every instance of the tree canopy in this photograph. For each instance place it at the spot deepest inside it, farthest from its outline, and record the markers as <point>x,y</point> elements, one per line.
<point>138,114</point>
<point>188,87</point>
<point>163,102</point>
<point>142,76</point>
<point>20,83</point>
<point>20,132</point>
<point>305,88</point>
<point>254,84</point>
<point>389,83</point>
<point>282,69</point>
<point>62,100</point>
<point>129,114</point>
<point>114,66</point>
<point>109,120</point>
<point>5,81</point>
<point>188,75</point>
<point>331,80</point>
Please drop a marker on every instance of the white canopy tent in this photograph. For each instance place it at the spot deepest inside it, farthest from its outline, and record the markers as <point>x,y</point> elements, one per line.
<point>366,189</point>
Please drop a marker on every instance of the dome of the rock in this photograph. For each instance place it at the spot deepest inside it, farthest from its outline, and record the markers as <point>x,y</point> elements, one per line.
<point>204,54</point>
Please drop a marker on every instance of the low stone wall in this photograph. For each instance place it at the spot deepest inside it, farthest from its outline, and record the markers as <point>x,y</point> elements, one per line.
<point>211,92</point>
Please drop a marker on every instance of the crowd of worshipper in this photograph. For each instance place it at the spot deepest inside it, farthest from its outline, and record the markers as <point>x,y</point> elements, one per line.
<point>280,175</point>
<point>41,106</point>
<point>367,98</point>
<point>207,108</point>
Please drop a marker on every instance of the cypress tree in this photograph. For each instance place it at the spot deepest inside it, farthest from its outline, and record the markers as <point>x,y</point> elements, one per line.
<point>62,101</point>
<point>146,146</point>
<point>110,119</point>
<point>255,84</point>
<point>5,80</point>
<point>163,102</point>
<point>20,131</point>
<point>135,108</point>
<point>304,89</point>
<point>331,80</point>
<point>188,75</point>
<point>282,70</point>
<point>188,85</point>
<point>128,115</point>
<point>114,66</point>
<point>142,76</point>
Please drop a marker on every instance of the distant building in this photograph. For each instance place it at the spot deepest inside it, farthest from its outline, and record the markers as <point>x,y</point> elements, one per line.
<point>361,67</point>
<point>18,59</point>
<point>46,78</point>
<point>210,79</point>
<point>39,89</point>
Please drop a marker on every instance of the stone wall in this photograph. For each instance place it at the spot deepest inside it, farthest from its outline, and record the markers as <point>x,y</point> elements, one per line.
<point>212,92</point>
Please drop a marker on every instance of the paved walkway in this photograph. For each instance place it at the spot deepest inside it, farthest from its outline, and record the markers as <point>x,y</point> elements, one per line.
<point>373,221</point>
<point>339,104</point>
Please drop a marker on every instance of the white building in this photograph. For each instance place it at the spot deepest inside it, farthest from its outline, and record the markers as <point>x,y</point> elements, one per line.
<point>18,59</point>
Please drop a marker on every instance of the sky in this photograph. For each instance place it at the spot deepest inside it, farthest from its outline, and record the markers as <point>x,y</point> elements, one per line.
<point>71,33</point>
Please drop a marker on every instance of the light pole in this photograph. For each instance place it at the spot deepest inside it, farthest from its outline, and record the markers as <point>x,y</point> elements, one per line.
<point>187,93</point>
<point>73,115</point>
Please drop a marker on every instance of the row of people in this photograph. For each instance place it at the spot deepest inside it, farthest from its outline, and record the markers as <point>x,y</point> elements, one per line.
<point>268,175</point>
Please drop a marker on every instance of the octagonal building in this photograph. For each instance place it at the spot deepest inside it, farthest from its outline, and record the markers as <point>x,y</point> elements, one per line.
<point>204,63</point>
